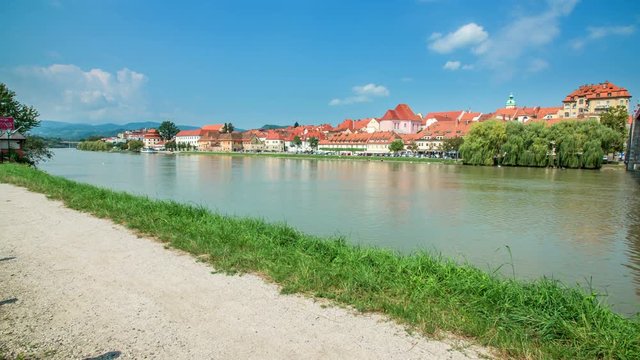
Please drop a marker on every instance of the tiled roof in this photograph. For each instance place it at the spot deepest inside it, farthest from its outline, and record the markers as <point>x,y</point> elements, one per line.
<point>401,112</point>
<point>214,127</point>
<point>189,132</point>
<point>602,90</point>
<point>273,135</point>
<point>542,112</point>
<point>446,114</point>
<point>347,124</point>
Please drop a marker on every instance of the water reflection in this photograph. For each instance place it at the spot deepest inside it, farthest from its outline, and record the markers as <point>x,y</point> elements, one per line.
<point>582,227</point>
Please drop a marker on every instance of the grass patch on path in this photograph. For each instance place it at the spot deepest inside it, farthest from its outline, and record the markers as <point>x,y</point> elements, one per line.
<point>537,319</point>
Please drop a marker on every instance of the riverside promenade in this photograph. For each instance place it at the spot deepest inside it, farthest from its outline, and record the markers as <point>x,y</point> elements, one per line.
<point>75,286</point>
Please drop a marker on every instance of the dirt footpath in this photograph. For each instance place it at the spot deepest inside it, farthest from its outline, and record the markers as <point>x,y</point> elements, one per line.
<point>73,287</point>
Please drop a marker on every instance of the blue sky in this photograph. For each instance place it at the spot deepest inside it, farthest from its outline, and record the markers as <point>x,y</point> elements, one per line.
<point>278,62</point>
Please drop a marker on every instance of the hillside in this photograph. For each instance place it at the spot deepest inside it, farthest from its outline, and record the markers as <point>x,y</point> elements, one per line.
<point>72,131</point>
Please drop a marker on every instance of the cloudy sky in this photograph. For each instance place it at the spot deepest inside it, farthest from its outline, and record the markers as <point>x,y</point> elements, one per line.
<point>310,61</point>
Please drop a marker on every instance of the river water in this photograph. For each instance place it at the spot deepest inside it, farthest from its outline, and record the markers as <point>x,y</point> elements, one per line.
<point>581,227</point>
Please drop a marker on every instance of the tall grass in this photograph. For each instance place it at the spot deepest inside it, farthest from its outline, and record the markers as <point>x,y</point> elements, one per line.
<point>538,319</point>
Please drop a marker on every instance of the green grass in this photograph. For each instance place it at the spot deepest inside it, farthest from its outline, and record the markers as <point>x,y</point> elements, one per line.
<point>328,157</point>
<point>538,319</point>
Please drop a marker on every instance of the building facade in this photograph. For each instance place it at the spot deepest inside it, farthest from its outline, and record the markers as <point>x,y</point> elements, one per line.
<point>401,120</point>
<point>188,138</point>
<point>593,99</point>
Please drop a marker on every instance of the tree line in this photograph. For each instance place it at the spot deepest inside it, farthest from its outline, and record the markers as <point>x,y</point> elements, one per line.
<point>568,144</point>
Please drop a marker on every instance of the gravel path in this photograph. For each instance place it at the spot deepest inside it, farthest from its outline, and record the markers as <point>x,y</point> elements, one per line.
<point>74,287</point>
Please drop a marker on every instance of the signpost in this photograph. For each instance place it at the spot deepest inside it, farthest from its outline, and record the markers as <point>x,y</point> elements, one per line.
<point>6,123</point>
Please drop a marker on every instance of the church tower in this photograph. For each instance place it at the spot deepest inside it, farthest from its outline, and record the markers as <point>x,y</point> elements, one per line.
<point>511,103</point>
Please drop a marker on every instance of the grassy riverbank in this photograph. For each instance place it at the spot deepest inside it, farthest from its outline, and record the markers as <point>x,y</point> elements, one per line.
<point>541,319</point>
<point>328,157</point>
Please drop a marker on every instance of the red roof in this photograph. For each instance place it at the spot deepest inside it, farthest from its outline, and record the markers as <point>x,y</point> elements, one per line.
<point>359,124</point>
<point>401,112</point>
<point>470,116</point>
<point>602,90</point>
<point>542,112</point>
<point>453,115</point>
<point>273,135</point>
<point>345,125</point>
<point>189,132</point>
<point>214,127</point>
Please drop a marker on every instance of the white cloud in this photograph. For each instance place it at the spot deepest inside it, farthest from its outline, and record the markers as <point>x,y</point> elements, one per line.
<point>537,65</point>
<point>67,92</point>
<point>467,35</point>
<point>452,65</point>
<point>362,93</point>
<point>371,90</point>
<point>457,65</point>
<point>524,36</point>
<point>599,32</point>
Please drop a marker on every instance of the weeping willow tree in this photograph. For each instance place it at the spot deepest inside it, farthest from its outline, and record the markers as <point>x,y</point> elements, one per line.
<point>570,144</point>
<point>484,142</point>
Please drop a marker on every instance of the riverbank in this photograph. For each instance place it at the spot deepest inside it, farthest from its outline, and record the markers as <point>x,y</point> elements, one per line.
<point>538,319</point>
<point>76,287</point>
<point>328,157</point>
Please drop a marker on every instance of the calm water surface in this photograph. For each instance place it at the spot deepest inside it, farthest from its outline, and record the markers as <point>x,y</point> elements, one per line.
<point>582,227</point>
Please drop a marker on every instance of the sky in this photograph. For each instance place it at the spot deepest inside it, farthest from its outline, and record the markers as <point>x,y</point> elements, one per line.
<point>308,61</point>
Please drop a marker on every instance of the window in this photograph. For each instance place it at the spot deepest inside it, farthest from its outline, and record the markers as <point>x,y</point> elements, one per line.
<point>581,101</point>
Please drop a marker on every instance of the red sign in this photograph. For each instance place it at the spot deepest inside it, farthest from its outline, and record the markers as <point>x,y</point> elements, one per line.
<point>6,123</point>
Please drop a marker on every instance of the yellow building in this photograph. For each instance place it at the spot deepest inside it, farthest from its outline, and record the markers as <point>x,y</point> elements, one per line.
<point>593,99</point>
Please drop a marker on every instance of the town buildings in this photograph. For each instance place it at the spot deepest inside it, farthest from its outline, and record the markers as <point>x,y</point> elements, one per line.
<point>372,136</point>
<point>402,120</point>
<point>151,138</point>
<point>188,138</point>
<point>593,99</point>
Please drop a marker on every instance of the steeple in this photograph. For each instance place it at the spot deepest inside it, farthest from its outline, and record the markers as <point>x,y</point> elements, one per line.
<point>511,103</point>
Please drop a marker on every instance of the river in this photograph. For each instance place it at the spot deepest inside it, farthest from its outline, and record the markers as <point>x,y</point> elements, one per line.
<point>581,227</point>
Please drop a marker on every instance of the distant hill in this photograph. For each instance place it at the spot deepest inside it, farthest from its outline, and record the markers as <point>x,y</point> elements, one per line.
<point>272,127</point>
<point>71,131</point>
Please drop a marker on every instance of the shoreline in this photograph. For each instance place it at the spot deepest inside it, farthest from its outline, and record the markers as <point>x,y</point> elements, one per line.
<point>431,294</point>
<point>67,295</point>
<point>329,157</point>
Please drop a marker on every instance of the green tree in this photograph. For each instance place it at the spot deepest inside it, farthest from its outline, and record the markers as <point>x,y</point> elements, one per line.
<point>97,145</point>
<point>296,125</point>
<point>135,145</point>
<point>396,145</point>
<point>227,128</point>
<point>483,144</point>
<point>168,130</point>
<point>36,150</point>
<point>452,144</point>
<point>297,142</point>
<point>170,145</point>
<point>25,119</point>
<point>615,118</point>
<point>313,142</point>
